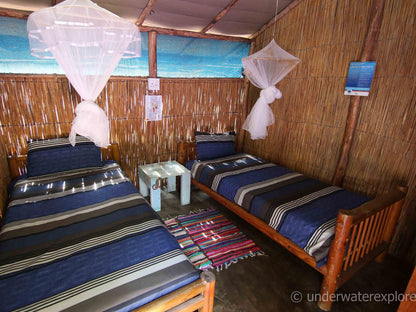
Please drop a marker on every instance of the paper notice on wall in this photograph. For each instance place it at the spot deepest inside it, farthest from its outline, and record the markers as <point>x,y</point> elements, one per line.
<point>154,107</point>
<point>359,78</point>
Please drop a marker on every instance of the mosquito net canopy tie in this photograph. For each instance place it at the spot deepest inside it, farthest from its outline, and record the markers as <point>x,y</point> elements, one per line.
<point>265,69</point>
<point>87,41</point>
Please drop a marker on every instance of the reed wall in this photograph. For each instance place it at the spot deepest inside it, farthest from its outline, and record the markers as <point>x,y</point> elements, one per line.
<point>43,107</point>
<point>310,117</point>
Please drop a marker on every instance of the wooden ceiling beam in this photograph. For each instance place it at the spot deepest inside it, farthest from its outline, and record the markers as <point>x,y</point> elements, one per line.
<point>276,18</point>
<point>14,13</point>
<point>219,16</point>
<point>185,33</point>
<point>145,12</point>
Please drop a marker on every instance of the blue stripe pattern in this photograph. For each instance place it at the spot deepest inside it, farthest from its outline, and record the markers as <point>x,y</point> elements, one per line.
<point>295,205</point>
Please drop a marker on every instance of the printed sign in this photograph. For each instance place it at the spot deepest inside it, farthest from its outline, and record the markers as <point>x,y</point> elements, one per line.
<point>154,107</point>
<point>359,78</point>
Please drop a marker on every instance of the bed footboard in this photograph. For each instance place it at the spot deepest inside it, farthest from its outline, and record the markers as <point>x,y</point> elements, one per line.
<point>361,235</point>
<point>198,295</point>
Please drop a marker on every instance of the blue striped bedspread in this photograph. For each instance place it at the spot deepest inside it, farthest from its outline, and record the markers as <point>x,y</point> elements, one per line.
<point>302,209</point>
<point>85,240</point>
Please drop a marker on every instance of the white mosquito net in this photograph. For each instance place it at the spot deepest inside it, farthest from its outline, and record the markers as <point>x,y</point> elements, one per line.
<point>87,41</point>
<point>265,69</point>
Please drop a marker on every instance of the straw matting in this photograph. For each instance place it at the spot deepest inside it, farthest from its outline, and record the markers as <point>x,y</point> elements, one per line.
<point>43,107</point>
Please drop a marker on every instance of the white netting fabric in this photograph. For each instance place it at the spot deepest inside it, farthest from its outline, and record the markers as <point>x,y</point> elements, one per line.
<point>87,41</point>
<point>265,69</point>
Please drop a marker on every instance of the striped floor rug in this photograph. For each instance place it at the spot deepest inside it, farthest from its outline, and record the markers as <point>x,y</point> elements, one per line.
<point>210,240</point>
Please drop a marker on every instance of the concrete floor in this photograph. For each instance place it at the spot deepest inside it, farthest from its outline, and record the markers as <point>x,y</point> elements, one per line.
<point>266,283</point>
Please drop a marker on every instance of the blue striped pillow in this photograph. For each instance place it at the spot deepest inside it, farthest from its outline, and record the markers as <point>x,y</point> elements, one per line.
<point>55,155</point>
<point>214,145</point>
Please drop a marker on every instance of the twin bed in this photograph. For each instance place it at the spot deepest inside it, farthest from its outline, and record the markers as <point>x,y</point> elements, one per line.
<point>332,229</point>
<point>78,236</point>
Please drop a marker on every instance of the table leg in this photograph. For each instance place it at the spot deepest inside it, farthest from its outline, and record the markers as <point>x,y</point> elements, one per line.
<point>143,188</point>
<point>185,188</point>
<point>171,184</point>
<point>154,195</point>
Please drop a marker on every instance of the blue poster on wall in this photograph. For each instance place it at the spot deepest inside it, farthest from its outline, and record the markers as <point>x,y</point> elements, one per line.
<point>359,78</point>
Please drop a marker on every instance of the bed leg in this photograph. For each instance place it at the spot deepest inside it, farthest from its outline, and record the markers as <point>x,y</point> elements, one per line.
<point>335,260</point>
<point>209,279</point>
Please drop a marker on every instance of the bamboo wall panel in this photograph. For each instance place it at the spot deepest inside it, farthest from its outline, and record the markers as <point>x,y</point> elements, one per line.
<point>310,117</point>
<point>44,107</point>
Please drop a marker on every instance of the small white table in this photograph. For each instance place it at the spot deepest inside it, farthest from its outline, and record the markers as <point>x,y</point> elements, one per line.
<point>151,176</point>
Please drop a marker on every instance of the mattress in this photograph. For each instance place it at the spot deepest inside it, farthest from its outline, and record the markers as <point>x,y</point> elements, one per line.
<point>85,240</point>
<point>300,208</point>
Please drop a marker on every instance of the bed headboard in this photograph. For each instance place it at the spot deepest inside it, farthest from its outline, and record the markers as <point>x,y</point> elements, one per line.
<point>186,151</point>
<point>17,163</point>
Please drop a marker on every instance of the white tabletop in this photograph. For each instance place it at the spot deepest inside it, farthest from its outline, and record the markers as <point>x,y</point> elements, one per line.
<point>163,169</point>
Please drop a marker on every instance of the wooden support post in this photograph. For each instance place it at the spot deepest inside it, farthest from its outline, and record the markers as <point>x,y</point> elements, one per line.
<point>355,104</point>
<point>153,54</point>
<point>335,260</point>
<point>151,125</point>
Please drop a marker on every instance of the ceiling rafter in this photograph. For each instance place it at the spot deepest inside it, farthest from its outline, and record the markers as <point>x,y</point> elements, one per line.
<point>146,11</point>
<point>186,33</point>
<point>276,18</point>
<point>21,14</point>
<point>219,16</point>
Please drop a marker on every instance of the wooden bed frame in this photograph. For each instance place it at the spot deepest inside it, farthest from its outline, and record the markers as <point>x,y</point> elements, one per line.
<point>361,234</point>
<point>198,295</point>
